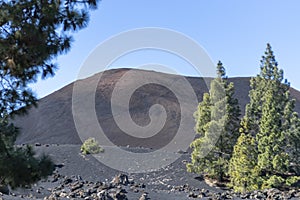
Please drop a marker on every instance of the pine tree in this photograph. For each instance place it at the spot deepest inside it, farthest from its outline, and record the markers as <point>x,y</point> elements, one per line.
<point>291,129</point>
<point>242,164</point>
<point>217,123</point>
<point>32,33</point>
<point>18,165</point>
<point>202,115</point>
<point>269,120</point>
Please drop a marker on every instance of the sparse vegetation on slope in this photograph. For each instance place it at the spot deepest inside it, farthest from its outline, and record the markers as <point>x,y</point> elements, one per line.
<point>91,146</point>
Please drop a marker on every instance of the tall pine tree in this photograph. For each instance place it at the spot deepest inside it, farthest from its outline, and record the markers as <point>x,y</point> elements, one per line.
<point>269,120</point>
<point>217,123</point>
<point>32,33</point>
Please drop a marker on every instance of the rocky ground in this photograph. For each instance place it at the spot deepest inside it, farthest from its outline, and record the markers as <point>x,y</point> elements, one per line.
<point>84,177</point>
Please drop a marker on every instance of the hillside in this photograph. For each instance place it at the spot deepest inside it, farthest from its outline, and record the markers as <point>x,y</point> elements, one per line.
<point>52,121</point>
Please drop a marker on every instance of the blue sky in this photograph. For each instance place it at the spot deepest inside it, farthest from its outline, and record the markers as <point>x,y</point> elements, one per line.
<point>233,31</point>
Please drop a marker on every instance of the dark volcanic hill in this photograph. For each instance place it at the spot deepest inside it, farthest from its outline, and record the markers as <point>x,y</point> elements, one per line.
<point>52,121</point>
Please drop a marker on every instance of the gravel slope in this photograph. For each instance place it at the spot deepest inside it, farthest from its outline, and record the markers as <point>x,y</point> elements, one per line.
<point>52,121</point>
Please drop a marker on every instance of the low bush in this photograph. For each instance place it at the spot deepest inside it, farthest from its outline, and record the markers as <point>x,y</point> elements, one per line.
<point>91,146</point>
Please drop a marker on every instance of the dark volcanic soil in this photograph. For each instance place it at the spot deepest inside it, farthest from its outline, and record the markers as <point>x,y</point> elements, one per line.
<point>159,184</point>
<point>52,123</point>
<point>168,183</point>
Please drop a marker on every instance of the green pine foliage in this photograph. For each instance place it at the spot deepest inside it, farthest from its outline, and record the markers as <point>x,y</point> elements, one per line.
<point>19,166</point>
<point>272,130</point>
<point>291,126</point>
<point>266,143</point>
<point>32,33</point>
<point>217,123</point>
<point>242,164</point>
<point>202,115</point>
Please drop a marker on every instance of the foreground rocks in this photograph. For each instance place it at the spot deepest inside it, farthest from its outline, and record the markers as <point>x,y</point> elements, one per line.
<point>117,189</point>
<point>269,194</point>
<point>75,187</point>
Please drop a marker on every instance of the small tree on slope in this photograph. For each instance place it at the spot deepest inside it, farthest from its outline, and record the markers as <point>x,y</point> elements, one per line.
<point>217,123</point>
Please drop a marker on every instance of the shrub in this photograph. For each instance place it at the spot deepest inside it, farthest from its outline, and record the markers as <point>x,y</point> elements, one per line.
<point>91,146</point>
<point>293,181</point>
<point>273,182</point>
